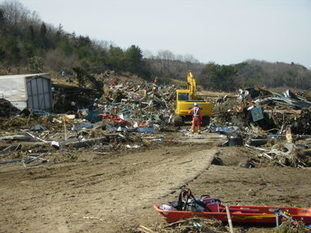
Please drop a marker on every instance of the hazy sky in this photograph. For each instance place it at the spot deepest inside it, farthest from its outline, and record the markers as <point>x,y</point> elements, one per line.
<point>223,31</point>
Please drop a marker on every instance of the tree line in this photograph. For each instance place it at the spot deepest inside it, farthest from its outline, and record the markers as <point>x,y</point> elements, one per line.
<point>253,73</point>
<point>27,44</point>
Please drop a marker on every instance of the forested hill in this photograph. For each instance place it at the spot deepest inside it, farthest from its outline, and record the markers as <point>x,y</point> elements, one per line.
<point>255,73</point>
<point>29,45</point>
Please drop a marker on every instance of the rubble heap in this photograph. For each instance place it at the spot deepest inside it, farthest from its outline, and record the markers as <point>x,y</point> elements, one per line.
<point>7,109</point>
<point>137,105</point>
<point>116,121</point>
<point>277,122</point>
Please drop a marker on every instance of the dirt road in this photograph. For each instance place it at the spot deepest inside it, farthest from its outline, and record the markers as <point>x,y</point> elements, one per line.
<point>115,192</point>
<point>99,195</point>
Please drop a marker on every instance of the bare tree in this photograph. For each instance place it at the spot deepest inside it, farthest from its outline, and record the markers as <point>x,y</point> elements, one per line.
<point>166,55</point>
<point>190,58</point>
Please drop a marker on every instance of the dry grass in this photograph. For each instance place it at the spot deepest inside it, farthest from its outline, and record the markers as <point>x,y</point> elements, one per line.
<point>288,227</point>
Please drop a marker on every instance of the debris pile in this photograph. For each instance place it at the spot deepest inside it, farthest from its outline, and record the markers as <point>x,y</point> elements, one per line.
<point>7,109</point>
<point>275,125</point>
<point>274,112</point>
<point>138,104</point>
<point>119,120</point>
<point>285,154</point>
<point>288,226</point>
<point>261,118</point>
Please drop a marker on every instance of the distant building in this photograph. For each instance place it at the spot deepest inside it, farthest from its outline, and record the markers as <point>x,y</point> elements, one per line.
<point>27,91</point>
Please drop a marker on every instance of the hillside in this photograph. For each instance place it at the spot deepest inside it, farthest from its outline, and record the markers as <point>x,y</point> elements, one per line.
<point>277,74</point>
<point>29,45</point>
<point>255,73</point>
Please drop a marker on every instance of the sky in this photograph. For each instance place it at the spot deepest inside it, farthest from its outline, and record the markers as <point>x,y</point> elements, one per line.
<point>221,31</point>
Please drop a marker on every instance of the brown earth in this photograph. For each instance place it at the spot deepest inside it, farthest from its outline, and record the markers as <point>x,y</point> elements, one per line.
<point>115,192</point>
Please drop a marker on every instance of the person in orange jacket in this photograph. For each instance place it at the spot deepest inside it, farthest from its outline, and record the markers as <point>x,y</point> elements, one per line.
<point>196,118</point>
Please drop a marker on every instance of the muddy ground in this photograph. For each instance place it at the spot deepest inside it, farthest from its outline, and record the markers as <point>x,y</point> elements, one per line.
<point>114,192</point>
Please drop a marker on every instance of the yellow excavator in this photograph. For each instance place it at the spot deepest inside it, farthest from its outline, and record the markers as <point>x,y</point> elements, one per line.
<point>185,100</point>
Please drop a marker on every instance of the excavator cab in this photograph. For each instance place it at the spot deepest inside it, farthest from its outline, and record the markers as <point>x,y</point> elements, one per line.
<point>183,96</point>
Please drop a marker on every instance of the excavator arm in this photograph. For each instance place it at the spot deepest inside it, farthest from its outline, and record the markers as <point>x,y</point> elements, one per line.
<point>192,86</point>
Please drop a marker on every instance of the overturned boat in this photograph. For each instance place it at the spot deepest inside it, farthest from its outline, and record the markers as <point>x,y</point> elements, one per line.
<point>188,206</point>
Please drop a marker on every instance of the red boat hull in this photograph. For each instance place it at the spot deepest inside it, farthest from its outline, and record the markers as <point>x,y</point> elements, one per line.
<point>241,214</point>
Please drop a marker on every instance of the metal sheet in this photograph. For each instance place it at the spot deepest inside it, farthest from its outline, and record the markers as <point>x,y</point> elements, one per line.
<point>39,93</point>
